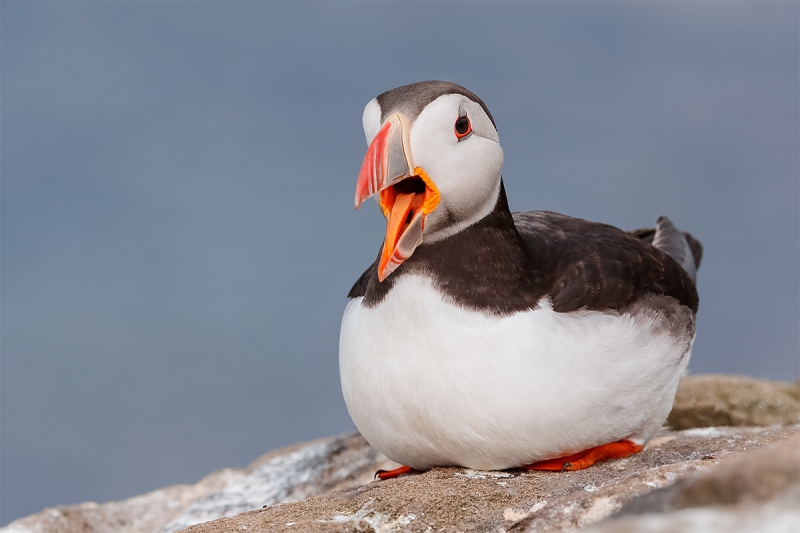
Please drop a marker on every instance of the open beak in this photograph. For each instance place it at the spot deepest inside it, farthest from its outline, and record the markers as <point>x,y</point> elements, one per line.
<point>406,193</point>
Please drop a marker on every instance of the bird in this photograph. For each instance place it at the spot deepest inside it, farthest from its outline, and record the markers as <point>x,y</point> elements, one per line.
<point>493,340</point>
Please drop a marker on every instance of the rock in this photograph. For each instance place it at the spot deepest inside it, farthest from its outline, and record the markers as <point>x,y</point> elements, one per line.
<point>457,499</point>
<point>145,513</point>
<point>314,468</point>
<point>684,479</point>
<point>751,477</point>
<point>283,475</point>
<point>710,400</point>
<point>705,502</point>
<point>777,516</point>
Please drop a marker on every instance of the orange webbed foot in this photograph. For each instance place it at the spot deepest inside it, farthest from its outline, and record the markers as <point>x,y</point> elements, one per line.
<point>389,474</point>
<point>586,458</point>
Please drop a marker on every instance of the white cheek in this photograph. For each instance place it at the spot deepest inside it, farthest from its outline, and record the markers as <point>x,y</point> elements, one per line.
<point>466,172</point>
<point>467,175</point>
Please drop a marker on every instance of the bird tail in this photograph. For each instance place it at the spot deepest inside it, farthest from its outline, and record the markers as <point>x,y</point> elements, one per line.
<point>681,246</point>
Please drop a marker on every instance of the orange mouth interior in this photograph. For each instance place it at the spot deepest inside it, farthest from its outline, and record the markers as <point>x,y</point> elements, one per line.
<point>400,204</point>
<point>402,201</point>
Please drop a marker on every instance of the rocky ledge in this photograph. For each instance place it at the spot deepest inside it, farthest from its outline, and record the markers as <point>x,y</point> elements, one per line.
<point>731,462</point>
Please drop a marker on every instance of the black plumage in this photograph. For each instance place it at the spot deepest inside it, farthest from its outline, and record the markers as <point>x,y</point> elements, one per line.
<point>505,263</point>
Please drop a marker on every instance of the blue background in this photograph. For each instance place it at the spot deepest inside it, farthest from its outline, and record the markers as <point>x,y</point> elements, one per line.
<point>178,234</point>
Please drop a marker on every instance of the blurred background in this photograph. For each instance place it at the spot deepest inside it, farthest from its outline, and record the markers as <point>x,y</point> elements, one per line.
<point>178,233</point>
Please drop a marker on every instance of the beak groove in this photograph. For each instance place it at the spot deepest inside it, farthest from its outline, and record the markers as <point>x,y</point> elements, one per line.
<point>388,159</point>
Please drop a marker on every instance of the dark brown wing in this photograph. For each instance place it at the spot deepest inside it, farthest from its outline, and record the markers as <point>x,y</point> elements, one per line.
<point>596,266</point>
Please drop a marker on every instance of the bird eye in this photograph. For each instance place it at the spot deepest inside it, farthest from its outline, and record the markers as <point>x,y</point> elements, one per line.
<point>463,127</point>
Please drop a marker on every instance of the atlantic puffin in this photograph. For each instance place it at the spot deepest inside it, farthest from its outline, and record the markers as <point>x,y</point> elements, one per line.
<point>492,340</point>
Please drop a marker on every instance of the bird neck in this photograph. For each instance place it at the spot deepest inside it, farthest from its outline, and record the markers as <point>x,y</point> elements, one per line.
<point>485,266</point>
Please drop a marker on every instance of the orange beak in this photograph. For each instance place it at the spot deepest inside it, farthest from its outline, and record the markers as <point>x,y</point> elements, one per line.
<point>407,194</point>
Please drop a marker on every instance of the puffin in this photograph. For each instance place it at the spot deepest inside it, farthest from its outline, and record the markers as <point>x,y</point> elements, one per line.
<point>493,340</point>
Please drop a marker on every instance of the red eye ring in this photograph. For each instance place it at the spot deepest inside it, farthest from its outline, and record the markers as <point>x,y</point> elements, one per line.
<point>463,127</point>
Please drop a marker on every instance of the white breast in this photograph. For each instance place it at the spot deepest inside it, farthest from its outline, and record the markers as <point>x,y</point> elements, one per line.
<point>430,383</point>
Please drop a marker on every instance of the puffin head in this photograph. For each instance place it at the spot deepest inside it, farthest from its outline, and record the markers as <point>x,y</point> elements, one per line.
<point>434,159</point>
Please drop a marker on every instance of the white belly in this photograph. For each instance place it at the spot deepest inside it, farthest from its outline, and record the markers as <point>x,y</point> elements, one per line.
<point>430,383</point>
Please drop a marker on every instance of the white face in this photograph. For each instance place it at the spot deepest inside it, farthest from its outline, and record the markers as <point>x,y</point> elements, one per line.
<point>371,120</point>
<point>466,171</point>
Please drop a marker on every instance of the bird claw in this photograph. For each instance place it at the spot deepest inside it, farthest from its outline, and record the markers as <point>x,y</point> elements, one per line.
<point>389,474</point>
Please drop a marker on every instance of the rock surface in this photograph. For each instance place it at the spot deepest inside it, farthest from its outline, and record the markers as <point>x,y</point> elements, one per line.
<point>283,475</point>
<point>710,400</point>
<point>690,480</point>
<point>456,499</point>
<point>705,502</point>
